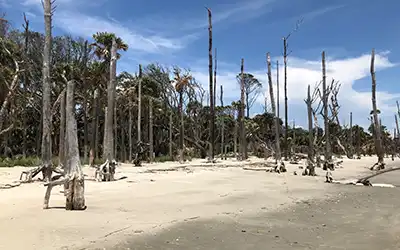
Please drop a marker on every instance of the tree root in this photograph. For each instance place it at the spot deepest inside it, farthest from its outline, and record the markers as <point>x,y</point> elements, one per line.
<point>28,175</point>
<point>106,171</point>
<point>10,185</point>
<point>378,166</point>
<point>50,185</point>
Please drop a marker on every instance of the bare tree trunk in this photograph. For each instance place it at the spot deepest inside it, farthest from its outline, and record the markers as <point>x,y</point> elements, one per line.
<point>277,89</point>
<point>105,134</point>
<point>276,118</point>
<point>328,149</point>
<point>122,144</point>
<point>170,136</point>
<point>285,54</point>
<point>26,43</point>
<point>61,144</point>
<point>398,112</point>
<point>95,115</point>
<point>110,102</point>
<point>151,140</point>
<point>212,98</point>
<point>75,184</point>
<point>351,151</point>
<point>130,129</point>
<point>139,118</point>
<point>46,93</point>
<point>235,137</point>
<point>115,124</point>
<point>222,125</point>
<point>311,165</point>
<point>85,133</point>
<point>181,126</point>
<point>378,136</point>
<point>215,78</point>
<point>243,145</point>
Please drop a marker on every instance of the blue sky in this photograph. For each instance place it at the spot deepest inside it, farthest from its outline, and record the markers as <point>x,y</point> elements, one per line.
<point>175,33</point>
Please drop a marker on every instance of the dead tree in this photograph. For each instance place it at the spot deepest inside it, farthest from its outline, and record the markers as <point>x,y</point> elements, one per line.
<point>325,96</point>
<point>61,146</point>
<point>73,178</point>
<point>46,92</point>
<point>151,140</point>
<point>310,169</point>
<point>139,118</point>
<point>277,90</point>
<point>243,144</point>
<point>211,88</point>
<point>378,137</point>
<point>223,151</point>
<point>280,166</point>
<point>285,56</point>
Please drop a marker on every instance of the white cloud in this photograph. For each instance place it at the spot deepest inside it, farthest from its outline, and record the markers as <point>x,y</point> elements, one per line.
<point>302,72</point>
<point>85,25</point>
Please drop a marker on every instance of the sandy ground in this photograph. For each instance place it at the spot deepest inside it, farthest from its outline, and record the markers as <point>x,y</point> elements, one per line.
<point>206,207</point>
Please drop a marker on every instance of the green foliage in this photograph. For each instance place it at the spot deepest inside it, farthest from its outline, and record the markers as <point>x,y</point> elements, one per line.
<point>21,162</point>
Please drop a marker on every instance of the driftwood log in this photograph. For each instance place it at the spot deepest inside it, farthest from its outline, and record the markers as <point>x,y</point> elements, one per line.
<point>106,171</point>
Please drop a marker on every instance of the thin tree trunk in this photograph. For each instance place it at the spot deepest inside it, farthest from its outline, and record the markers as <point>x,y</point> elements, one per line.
<point>242,144</point>
<point>151,140</point>
<point>215,77</point>
<point>181,126</point>
<point>212,98</point>
<point>351,136</point>
<point>311,165</point>
<point>85,133</point>
<point>115,127</point>
<point>75,185</point>
<point>397,124</point>
<point>139,118</point>
<point>61,144</point>
<point>328,149</point>
<point>46,93</point>
<point>130,129</point>
<point>398,113</point>
<point>276,118</point>
<point>277,90</point>
<point>24,128</point>
<point>105,134</point>
<point>110,102</point>
<point>95,115</point>
<point>222,125</point>
<point>378,136</point>
<point>170,136</point>
<point>286,97</point>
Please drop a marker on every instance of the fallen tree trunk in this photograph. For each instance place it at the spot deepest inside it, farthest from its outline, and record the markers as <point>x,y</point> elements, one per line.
<point>365,179</point>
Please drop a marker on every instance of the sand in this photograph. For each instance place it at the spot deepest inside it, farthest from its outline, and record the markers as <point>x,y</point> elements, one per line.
<point>149,203</point>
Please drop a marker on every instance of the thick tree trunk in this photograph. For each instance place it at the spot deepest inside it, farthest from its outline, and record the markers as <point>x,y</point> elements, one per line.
<point>378,135</point>
<point>278,157</point>
<point>75,184</point>
<point>115,128</point>
<point>181,127</point>
<point>151,140</point>
<point>285,54</point>
<point>325,98</point>
<point>46,93</point>
<point>243,144</point>
<point>95,121</point>
<point>110,103</point>
<point>105,134</point>
<point>212,98</point>
<point>61,144</point>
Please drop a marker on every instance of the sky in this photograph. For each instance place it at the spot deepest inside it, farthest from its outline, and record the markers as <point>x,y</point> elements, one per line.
<point>175,32</point>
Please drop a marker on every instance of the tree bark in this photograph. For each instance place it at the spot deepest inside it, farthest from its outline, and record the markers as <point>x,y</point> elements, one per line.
<point>378,135</point>
<point>351,151</point>
<point>223,124</point>
<point>328,149</point>
<point>181,126</point>
<point>110,102</point>
<point>170,136</point>
<point>212,98</point>
<point>46,93</point>
<point>85,133</point>
<point>105,134</point>
<point>61,144</point>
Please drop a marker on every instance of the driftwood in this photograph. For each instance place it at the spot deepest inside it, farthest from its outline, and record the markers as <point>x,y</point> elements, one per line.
<point>106,171</point>
<point>366,178</point>
<point>10,185</point>
<point>28,175</point>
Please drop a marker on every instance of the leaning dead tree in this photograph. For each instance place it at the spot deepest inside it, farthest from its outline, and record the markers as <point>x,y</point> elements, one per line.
<point>280,166</point>
<point>72,178</point>
<point>377,127</point>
